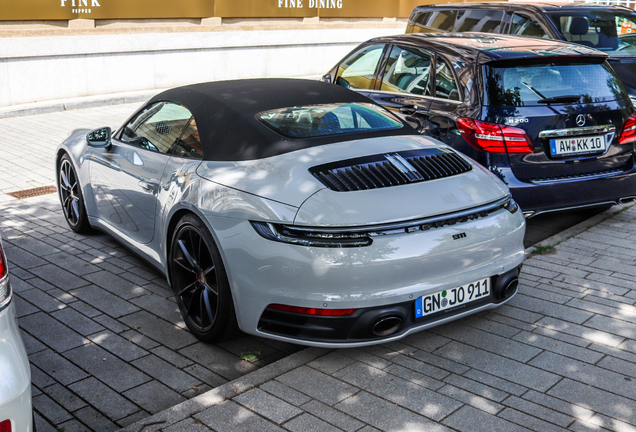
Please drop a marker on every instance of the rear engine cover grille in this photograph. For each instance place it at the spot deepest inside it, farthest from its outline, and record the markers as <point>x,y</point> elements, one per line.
<point>391,169</point>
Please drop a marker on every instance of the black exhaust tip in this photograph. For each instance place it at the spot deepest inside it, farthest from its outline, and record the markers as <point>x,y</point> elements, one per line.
<point>511,288</point>
<point>505,285</point>
<point>386,326</point>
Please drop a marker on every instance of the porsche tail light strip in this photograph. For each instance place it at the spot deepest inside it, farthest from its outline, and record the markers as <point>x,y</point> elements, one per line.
<point>493,137</point>
<point>5,426</point>
<point>363,236</point>
<point>311,311</point>
<point>628,133</point>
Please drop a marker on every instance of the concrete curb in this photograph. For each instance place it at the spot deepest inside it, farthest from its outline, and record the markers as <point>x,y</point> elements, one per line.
<point>77,103</point>
<point>177,413</point>
<point>58,105</point>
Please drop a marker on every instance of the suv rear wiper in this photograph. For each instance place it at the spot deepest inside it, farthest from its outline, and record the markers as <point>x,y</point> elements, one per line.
<point>534,90</point>
<point>563,99</point>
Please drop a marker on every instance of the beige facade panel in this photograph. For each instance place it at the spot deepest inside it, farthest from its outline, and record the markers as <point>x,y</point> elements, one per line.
<point>104,9</point>
<point>42,10</point>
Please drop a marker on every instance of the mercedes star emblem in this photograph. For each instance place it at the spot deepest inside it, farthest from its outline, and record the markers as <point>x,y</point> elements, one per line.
<point>580,120</point>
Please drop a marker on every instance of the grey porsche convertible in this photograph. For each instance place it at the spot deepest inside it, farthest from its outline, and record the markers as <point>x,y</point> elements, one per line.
<point>296,210</point>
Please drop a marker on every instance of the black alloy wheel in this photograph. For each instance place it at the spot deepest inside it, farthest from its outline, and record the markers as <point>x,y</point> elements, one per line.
<point>200,283</point>
<point>70,193</point>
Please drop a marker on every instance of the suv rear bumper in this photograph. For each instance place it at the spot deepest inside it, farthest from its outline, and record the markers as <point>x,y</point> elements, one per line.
<point>564,194</point>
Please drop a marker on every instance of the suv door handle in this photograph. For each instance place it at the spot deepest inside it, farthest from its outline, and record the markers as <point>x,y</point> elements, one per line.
<point>408,109</point>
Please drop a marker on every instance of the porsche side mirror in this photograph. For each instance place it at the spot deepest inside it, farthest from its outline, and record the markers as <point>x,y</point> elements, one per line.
<point>326,78</point>
<point>343,82</point>
<point>99,137</point>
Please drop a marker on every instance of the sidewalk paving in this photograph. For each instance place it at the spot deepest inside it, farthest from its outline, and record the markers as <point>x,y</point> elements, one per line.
<point>105,338</point>
<point>559,356</point>
<point>109,350</point>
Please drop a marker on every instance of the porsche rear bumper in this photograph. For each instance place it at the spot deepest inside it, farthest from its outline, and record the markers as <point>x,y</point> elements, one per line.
<point>389,275</point>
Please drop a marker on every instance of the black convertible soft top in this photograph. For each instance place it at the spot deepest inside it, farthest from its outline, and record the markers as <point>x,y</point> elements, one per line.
<point>225,112</point>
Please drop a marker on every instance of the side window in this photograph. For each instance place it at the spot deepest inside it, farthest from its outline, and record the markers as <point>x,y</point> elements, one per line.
<point>407,71</point>
<point>434,21</point>
<point>595,33</point>
<point>359,69</point>
<point>442,20</point>
<point>189,144</point>
<point>157,127</point>
<point>479,20</point>
<point>445,84</point>
<point>523,25</point>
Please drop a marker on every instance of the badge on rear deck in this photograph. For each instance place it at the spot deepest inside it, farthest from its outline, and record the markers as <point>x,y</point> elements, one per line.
<point>459,236</point>
<point>580,120</point>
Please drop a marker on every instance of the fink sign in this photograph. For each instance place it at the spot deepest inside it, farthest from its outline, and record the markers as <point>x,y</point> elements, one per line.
<point>82,6</point>
<point>28,10</point>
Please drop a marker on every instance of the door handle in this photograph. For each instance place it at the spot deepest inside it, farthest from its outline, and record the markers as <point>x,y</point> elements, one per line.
<point>408,109</point>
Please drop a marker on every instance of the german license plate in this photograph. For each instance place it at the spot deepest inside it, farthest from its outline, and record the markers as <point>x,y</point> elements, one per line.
<point>452,298</point>
<point>577,145</point>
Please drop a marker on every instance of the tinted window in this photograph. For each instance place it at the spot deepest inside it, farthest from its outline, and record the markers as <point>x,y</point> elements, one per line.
<point>333,119</point>
<point>443,20</point>
<point>529,85</point>
<point>445,84</point>
<point>479,20</point>
<point>524,25</point>
<point>359,69</point>
<point>614,33</point>
<point>157,127</point>
<point>407,70</point>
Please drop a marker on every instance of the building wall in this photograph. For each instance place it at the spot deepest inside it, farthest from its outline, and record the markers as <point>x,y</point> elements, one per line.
<point>42,68</point>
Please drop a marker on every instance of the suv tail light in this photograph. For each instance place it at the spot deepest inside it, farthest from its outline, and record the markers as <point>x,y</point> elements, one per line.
<point>493,137</point>
<point>628,133</point>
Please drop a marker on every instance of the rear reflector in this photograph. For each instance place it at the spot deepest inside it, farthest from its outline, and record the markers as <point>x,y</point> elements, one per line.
<point>5,426</point>
<point>493,137</point>
<point>628,133</point>
<point>311,311</point>
<point>3,273</point>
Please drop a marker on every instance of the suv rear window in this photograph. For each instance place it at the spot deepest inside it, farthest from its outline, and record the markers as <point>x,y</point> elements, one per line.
<point>550,83</point>
<point>329,119</point>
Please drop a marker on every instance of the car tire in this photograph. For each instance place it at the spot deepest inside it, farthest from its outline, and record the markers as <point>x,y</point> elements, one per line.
<point>200,283</point>
<point>71,198</point>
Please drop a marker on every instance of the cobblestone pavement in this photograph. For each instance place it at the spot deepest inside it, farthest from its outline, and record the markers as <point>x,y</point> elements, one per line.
<point>561,355</point>
<point>105,339</point>
<point>109,350</point>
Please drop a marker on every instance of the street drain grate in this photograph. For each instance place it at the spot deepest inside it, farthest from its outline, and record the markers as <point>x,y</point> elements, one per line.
<point>28,193</point>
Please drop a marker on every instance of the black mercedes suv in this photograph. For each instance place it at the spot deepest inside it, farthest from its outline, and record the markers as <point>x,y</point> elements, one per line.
<point>549,118</point>
<point>611,29</point>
